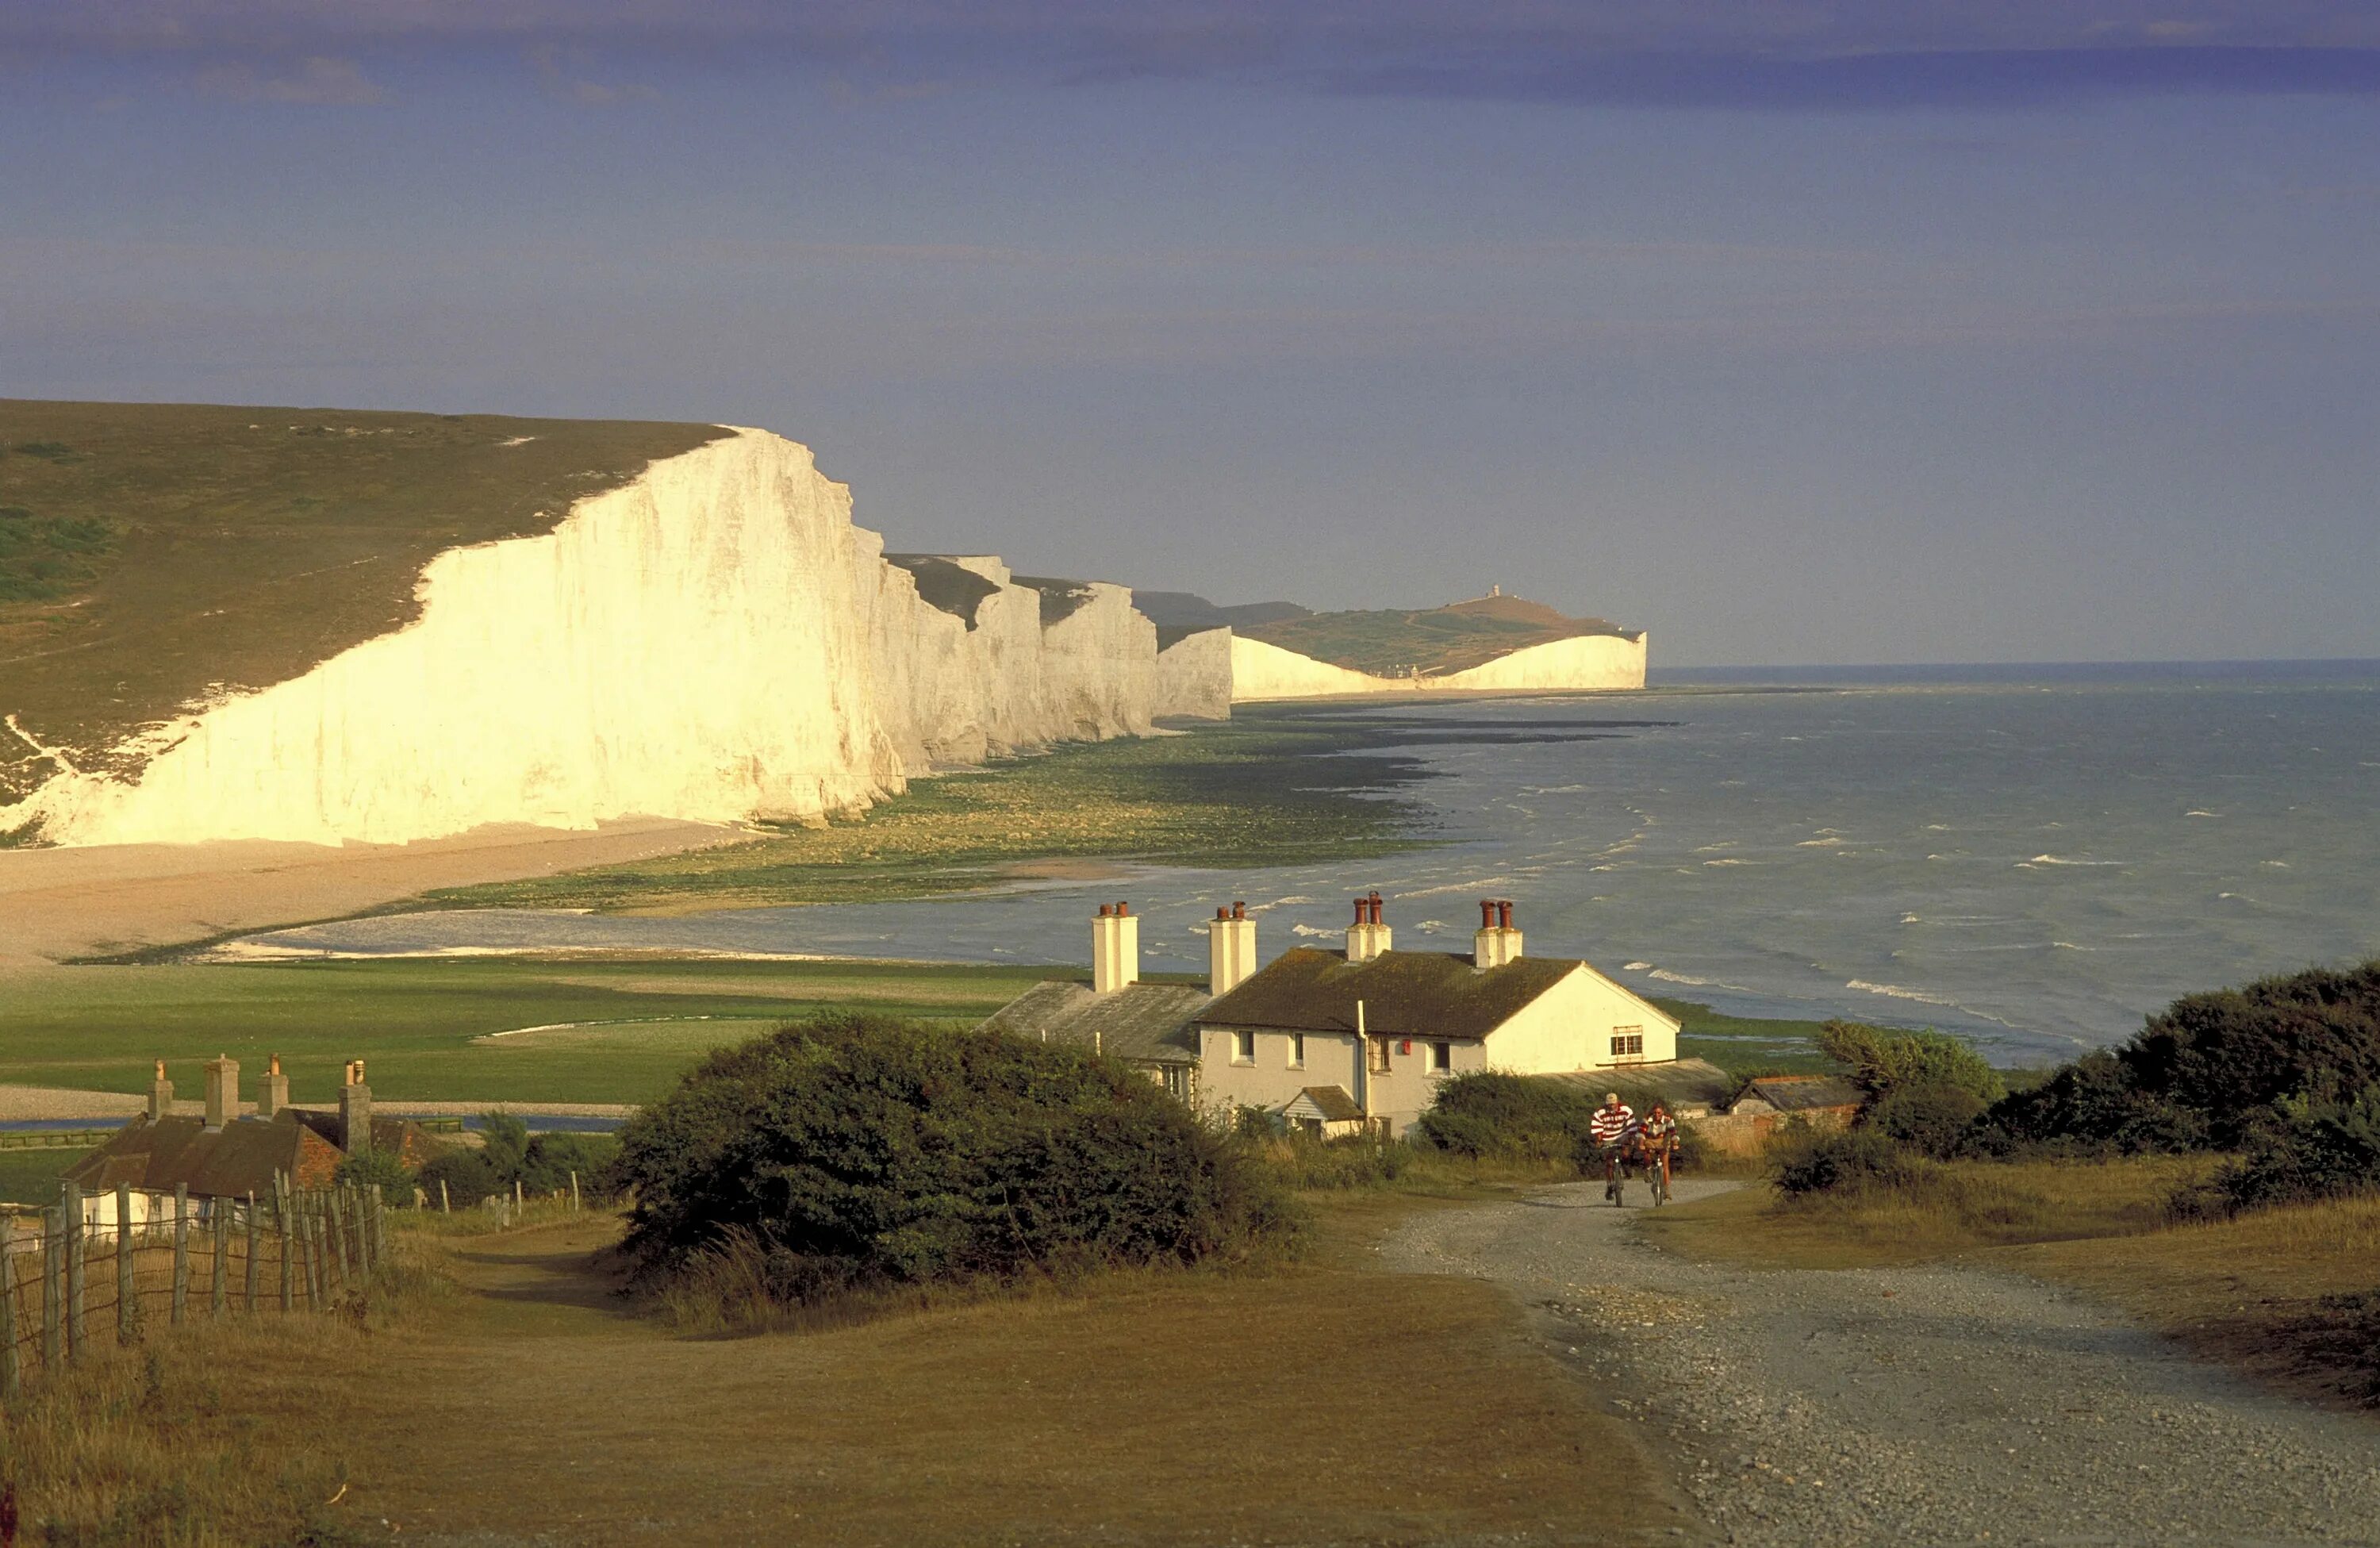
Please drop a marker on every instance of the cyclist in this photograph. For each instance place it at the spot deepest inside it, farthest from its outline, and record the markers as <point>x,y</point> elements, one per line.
<point>1660,1135</point>
<point>1614,1124</point>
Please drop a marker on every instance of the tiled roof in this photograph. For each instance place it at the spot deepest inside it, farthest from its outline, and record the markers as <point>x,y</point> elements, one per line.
<point>1691,1082</point>
<point>1331,1104</point>
<point>1144,1023</point>
<point>1795,1094</point>
<point>1405,994</point>
<point>230,1162</point>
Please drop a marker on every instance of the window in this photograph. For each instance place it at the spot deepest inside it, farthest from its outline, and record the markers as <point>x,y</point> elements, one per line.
<point>1377,1061</point>
<point>1441,1057</point>
<point>1627,1042</point>
<point>1244,1048</point>
<point>1297,1050</point>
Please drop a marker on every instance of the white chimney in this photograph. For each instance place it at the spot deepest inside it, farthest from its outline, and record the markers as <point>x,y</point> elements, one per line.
<point>1231,949</point>
<point>1368,936</point>
<point>160,1095</point>
<point>1115,948</point>
<point>1496,942</point>
<point>276,1095</point>
<point>223,1091</point>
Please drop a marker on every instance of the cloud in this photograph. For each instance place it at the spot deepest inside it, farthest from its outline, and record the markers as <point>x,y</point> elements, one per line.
<point>566,72</point>
<point>1856,54</point>
<point>318,79</point>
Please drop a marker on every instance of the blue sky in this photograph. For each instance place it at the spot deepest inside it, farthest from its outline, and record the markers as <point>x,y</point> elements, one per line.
<point>1795,331</point>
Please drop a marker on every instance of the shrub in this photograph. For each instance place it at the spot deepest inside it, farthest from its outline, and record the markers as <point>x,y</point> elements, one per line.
<point>379,1169</point>
<point>1488,1116</point>
<point>1802,1161</point>
<point>466,1176</point>
<point>857,1152</point>
<point>1883,1059</point>
<point>2090,1106</point>
<point>1355,1161</point>
<point>2309,1151</point>
<point>2231,1053</point>
<point>1930,1117</point>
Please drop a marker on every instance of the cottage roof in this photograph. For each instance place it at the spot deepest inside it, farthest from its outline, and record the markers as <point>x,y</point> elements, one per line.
<point>158,1155</point>
<point>1800,1093</point>
<point>1674,1083</point>
<point>1405,994</point>
<point>1331,1104</point>
<point>1141,1023</point>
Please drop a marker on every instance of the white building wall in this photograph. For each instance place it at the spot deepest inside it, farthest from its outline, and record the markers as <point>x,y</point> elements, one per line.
<point>1570,1027</point>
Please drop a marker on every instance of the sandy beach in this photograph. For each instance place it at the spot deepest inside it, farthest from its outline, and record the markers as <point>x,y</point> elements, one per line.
<point>73,902</point>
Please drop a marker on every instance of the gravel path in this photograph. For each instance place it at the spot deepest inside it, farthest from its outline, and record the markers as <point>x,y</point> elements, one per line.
<point>1927,1405</point>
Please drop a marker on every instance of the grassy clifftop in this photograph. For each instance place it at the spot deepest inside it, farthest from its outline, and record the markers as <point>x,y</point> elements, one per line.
<point>1392,642</point>
<point>153,553</point>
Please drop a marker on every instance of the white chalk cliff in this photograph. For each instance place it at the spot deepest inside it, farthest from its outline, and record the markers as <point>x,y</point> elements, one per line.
<point>1588,662</point>
<point>713,640</point>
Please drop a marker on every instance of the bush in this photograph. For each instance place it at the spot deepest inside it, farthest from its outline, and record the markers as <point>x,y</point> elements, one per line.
<point>850,1151</point>
<point>1802,1161</point>
<point>2090,1107</point>
<point>1488,1116</point>
<point>2230,1054</point>
<point>1355,1161</point>
<point>466,1176</point>
<point>379,1169</point>
<point>2309,1151</point>
<point>1929,1116</point>
<point>1883,1059</point>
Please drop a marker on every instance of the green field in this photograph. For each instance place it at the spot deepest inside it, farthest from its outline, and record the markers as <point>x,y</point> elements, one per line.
<point>30,1177</point>
<point>1748,1045</point>
<point>415,1022</point>
<point>1276,786</point>
<point>151,555</point>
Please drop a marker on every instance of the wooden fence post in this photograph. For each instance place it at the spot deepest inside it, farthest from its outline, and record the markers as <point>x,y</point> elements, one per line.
<point>249,1278</point>
<point>280,1221</point>
<point>312,1248</point>
<point>338,1222</point>
<point>222,1286</point>
<point>12,1375</point>
<point>127,1300</point>
<point>574,1205</point>
<point>181,1250</point>
<point>446,1205</point>
<point>77,1346</point>
<point>54,1270</point>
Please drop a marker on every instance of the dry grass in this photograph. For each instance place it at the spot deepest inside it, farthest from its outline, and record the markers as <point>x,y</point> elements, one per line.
<point>165,1441</point>
<point>1327,1400</point>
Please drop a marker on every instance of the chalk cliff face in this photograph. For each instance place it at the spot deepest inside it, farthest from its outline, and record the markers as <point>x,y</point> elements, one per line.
<point>1194,676</point>
<point>714,641</point>
<point>1586,662</point>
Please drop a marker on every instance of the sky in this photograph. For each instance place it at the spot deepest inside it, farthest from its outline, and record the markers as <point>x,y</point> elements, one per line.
<point>1795,331</point>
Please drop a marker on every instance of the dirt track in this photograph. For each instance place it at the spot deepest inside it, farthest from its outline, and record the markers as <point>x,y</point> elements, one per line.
<point>1926,1405</point>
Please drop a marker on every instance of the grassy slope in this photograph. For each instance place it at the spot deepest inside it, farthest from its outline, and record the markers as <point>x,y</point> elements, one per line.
<point>1133,1410</point>
<point>242,545</point>
<point>413,1021</point>
<point>1746,1045</point>
<point>1258,791</point>
<point>2289,1295</point>
<point>1390,641</point>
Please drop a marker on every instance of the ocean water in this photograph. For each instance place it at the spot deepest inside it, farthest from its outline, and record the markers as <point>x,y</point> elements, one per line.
<point>2034,856</point>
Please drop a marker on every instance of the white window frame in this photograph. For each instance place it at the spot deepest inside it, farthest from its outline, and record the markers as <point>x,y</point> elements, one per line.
<point>1296,1050</point>
<point>1441,1057</point>
<point>1243,1041</point>
<point>1628,1035</point>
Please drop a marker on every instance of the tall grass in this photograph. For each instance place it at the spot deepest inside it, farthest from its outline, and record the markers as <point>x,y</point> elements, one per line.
<point>163,1442</point>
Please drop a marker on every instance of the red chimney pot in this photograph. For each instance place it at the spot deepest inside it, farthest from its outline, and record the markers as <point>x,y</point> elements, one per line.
<point>1122,909</point>
<point>1504,914</point>
<point>1239,910</point>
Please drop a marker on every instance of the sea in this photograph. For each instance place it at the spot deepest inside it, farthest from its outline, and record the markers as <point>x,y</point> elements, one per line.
<point>2036,857</point>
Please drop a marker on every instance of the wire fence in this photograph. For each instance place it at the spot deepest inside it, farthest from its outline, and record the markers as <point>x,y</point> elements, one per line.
<point>106,1267</point>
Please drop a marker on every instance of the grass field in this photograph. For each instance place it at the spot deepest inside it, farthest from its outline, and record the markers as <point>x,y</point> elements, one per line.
<point>152,554</point>
<point>1275,786</point>
<point>30,1177</point>
<point>1748,1045</point>
<point>416,1023</point>
<point>2289,1295</point>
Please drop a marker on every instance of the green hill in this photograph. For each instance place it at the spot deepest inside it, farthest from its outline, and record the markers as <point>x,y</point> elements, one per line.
<point>153,553</point>
<point>1392,642</point>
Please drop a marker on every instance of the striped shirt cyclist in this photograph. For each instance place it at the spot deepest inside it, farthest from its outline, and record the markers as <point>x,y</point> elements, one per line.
<point>1613,1122</point>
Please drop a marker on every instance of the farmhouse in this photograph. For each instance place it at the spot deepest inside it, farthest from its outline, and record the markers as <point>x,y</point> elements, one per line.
<point>224,1157</point>
<point>1335,1042</point>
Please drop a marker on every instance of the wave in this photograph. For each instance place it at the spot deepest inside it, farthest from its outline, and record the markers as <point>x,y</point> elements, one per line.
<point>1820,844</point>
<point>1894,992</point>
<point>2193,811</point>
<point>1731,862</point>
<point>1643,967</point>
<point>1313,931</point>
<point>2061,860</point>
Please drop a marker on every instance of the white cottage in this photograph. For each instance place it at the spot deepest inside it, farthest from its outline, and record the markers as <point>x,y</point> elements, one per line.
<point>1337,1043</point>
